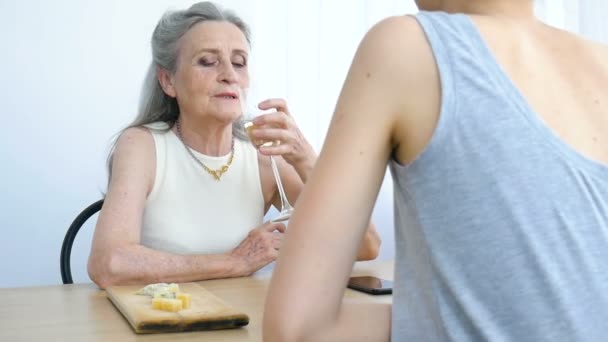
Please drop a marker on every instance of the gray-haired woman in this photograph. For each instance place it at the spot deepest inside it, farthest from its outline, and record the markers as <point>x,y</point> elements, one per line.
<point>187,193</point>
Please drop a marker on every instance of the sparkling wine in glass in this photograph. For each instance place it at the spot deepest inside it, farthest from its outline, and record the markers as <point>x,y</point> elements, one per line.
<point>250,111</point>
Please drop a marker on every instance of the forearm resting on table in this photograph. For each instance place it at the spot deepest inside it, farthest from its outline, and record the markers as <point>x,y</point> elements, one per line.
<point>356,321</point>
<point>136,264</point>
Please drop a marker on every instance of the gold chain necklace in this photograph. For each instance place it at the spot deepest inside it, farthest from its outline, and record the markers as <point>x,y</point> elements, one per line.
<point>217,174</point>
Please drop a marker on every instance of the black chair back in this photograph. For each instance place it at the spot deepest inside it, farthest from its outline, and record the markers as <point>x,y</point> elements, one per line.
<point>70,235</point>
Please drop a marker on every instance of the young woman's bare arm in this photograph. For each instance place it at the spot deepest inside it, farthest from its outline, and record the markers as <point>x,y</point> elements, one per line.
<point>333,210</point>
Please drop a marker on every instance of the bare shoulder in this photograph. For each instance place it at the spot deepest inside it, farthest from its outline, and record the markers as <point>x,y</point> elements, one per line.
<point>397,60</point>
<point>138,138</point>
<point>401,28</point>
<point>135,142</point>
<point>400,43</point>
<point>131,181</point>
<point>396,29</point>
<point>134,157</point>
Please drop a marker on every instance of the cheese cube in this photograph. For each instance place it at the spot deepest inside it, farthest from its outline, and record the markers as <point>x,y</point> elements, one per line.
<point>157,303</point>
<point>185,298</point>
<point>172,305</point>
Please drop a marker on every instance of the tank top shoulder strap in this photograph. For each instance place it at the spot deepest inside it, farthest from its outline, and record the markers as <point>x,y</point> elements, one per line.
<point>160,135</point>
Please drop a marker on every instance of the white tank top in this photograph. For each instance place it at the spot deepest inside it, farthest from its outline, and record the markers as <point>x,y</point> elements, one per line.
<point>188,211</point>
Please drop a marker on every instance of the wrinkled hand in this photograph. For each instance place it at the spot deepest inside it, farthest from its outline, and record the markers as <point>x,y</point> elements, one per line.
<point>260,247</point>
<point>280,126</point>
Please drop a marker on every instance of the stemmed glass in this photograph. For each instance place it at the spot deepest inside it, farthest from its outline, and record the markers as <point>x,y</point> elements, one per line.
<point>249,111</point>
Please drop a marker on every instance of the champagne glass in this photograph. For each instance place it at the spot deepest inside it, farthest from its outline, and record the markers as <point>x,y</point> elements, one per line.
<point>249,111</point>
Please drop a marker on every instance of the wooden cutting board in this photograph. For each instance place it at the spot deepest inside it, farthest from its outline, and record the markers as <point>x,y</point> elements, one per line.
<point>207,312</point>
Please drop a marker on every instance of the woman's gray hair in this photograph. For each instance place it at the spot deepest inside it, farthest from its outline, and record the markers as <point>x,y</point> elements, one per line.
<point>154,104</point>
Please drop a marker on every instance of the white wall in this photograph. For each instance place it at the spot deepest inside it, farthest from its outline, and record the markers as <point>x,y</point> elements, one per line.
<point>71,74</point>
<point>586,17</point>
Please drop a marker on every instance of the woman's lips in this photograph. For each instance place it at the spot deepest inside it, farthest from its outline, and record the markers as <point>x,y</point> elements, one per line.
<point>227,95</point>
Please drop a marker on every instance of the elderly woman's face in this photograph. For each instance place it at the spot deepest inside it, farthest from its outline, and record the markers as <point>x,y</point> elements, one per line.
<point>211,69</point>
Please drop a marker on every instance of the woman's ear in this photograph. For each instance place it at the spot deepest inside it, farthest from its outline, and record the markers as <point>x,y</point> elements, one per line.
<point>166,82</point>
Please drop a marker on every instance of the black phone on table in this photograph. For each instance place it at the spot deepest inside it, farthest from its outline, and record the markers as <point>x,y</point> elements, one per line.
<point>371,285</point>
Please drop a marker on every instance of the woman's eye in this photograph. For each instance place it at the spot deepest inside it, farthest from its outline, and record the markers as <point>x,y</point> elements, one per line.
<point>206,62</point>
<point>239,62</point>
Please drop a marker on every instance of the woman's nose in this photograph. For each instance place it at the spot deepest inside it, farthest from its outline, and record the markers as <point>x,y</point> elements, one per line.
<point>228,74</point>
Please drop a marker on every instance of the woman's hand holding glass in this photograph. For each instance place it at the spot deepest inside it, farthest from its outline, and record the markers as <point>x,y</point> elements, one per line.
<point>275,133</point>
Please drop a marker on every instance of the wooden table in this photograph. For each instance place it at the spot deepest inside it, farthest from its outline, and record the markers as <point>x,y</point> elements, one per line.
<point>81,312</point>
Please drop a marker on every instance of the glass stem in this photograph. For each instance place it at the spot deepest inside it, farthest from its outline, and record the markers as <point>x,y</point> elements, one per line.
<point>284,203</point>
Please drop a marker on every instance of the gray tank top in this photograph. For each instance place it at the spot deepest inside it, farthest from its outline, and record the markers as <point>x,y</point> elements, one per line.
<point>501,228</point>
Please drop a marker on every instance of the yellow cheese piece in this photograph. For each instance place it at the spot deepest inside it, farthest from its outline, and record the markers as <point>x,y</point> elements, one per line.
<point>166,297</point>
<point>157,303</point>
<point>185,298</point>
<point>173,305</point>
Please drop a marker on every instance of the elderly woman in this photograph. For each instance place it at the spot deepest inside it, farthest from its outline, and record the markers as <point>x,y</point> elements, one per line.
<point>187,192</point>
